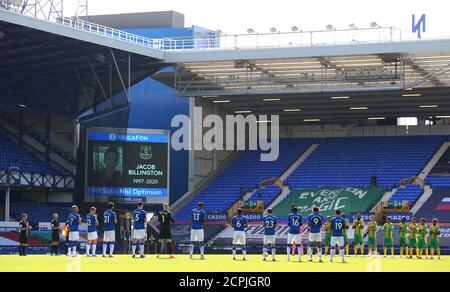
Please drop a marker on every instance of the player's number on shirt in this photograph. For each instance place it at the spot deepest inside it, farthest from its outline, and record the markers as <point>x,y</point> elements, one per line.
<point>196,216</point>
<point>238,224</point>
<point>136,218</point>
<point>295,222</point>
<point>316,221</point>
<point>89,222</point>
<point>106,218</point>
<point>269,224</point>
<point>338,225</point>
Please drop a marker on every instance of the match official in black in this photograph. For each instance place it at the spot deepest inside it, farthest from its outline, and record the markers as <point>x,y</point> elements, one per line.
<point>55,225</point>
<point>24,228</point>
<point>165,219</point>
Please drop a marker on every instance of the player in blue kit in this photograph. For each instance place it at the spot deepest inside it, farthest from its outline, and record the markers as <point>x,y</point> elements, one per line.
<point>109,228</point>
<point>239,224</point>
<point>139,221</point>
<point>337,235</point>
<point>295,222</point>
<point>197,232</point>
<point>269,239</point>
<point>92,223</point>
<point>74,235</point>
<point>315,221</point>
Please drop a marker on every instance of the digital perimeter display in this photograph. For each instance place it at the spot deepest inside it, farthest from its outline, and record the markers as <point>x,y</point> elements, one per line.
<point>127,165</point>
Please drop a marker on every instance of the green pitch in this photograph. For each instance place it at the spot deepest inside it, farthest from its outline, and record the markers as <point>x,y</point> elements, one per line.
<point>216,263</point>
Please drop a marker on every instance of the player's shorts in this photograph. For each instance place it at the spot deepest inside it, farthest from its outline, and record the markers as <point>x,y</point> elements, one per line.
<point>337,240</point>
<point>315,237</point>
<point>165,234</point>
<point>293,238</point>
<point>109,236</point>
<point>388,242</point>
<point>197,235</point>
<point>413,242</point>
<point>55,235</point>
<point>358,239</point>
<point>139,234</point>
<point>402,241</point>
<point>422,243</point>
<point>23,238</point>
<point>239,238</point>
<point>328,239</point>
<point>92,236</point>
<point>269,239</point>
<point>434,243</point>
<point>372,240</point>
<point>74,236</point>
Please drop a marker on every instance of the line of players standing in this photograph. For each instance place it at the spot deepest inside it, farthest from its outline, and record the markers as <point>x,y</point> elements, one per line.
<point>139,217</point>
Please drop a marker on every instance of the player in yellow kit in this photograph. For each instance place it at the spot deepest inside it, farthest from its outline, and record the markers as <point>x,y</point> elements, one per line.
<point>434,239</point>
<point>358,226</point>
<point>403,230</point>
<point>327,234</point>
<point>388,232</point>
<point>423,234</point>
<point>413,232</point>
<point>372,236</point>
<point>345,233</point>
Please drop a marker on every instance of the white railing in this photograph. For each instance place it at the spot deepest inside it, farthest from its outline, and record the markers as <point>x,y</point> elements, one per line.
<point>109,32</point>
<point>242,41</point>
<point>266,40</point>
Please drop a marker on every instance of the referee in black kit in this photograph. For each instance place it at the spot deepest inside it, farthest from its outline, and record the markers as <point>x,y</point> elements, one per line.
<point>55,225</point>
<point>165,219</point>
<point>24,227</point>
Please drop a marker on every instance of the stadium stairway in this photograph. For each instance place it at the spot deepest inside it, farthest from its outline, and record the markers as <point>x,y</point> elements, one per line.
<point>432,162</point>
<point>244,173</point>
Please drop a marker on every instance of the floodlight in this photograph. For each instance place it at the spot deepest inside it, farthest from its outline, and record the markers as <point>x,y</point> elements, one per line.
<point>330,27</point>
<point>352,26</point>
<point>273,30</point>
<point>219,33</point>
<point>373,24</point>
<point>250,30</point>
<point>294,28</point>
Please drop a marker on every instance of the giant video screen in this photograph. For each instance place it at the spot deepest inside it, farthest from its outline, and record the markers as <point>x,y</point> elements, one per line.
<point>127,165</point>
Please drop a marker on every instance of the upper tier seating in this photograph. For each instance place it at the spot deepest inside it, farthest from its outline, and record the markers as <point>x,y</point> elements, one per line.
<point>410,193</point>
<point>12,155</point>
<point>344,162</point>
<point>246,172</point>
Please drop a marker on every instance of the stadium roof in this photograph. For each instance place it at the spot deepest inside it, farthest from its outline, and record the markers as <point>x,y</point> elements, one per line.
<point>338,83</point>
<point>53,68</point>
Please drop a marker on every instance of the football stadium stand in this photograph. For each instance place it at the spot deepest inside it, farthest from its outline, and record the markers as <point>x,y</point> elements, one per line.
<point>267,194</point>
<point>438,181</point>
<point>15,156</point>
<point>343,162</point>
<point>410,193</point>
<point>39,212</point>
<point>246,172</point>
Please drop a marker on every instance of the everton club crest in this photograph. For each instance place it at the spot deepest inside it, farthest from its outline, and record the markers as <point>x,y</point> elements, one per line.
<point>146,152</point>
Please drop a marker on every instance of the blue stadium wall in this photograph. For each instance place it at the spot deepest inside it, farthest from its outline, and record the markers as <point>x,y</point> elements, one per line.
<point>152,107</point>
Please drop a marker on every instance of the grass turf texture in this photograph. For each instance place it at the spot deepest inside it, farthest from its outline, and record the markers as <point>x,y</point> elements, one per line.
<point>216,263</point>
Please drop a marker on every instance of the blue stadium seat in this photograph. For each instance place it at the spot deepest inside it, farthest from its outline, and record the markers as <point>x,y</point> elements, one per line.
<point>438,181</point>
<point>247,171</point>
<point>40,212</point>
<point>410,193</point>
<point>343,162</point>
